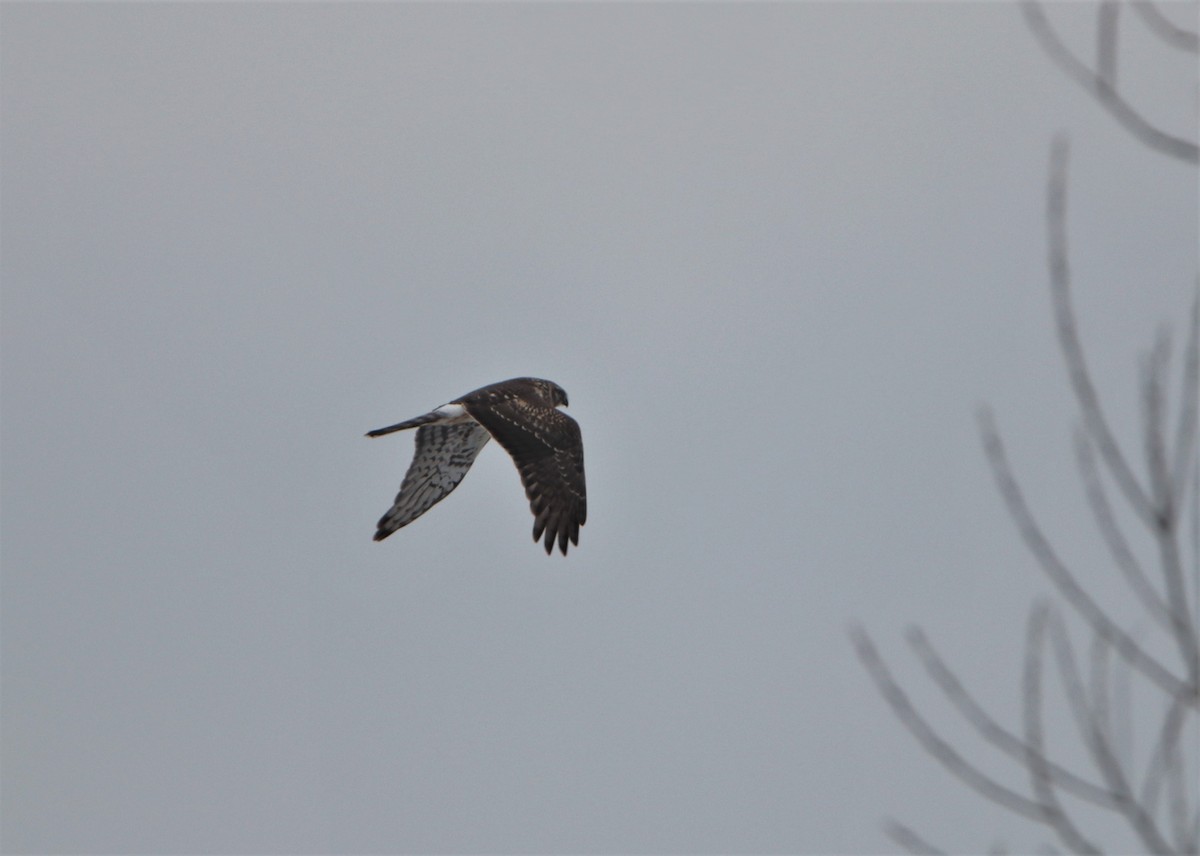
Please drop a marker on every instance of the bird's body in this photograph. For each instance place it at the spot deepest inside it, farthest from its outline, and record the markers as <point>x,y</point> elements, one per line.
<point>523,415</point>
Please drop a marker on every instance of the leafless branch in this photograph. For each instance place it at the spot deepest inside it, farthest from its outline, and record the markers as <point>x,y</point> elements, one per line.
<point>1157,23</point>
<point>1039,773</point>
<point>931,741</point>
<point>1106,42</point>
<point>1154,369</point>
<point>1110,531</point>
<point>1099,697</point>
<point>1103,756</point>
<point>1152,792</point>
<point>1189,412</point>
<point>993,732</point>
<point>1177,801</point>
<point>1185,628</point>
<point>909,839</point>
<point>1166,746</point>
<point>1167,516</point>
<point>1195,531</point>
<point>1094,419</point>
<point>1123,731</point>
<point>1059,574</point>
<point>1102,90</point>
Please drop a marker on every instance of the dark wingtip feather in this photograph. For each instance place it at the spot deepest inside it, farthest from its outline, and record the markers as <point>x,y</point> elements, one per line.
<point>551,530</point>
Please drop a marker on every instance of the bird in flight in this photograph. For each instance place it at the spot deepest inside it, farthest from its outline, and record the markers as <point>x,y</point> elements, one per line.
<point>523,415</point>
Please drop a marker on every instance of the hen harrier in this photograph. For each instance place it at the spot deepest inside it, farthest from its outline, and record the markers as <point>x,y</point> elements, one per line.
<point>522,415</point>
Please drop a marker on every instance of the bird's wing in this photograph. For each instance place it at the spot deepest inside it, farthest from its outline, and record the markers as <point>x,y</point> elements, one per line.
<point>547,448</point>
<point>443,455</point>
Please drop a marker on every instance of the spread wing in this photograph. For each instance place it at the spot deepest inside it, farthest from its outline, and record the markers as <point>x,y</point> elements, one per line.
<point>547,448</point>
<point>443,455</point>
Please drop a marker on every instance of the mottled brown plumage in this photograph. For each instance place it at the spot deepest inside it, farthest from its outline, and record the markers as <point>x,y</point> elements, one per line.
<point>523,415</point>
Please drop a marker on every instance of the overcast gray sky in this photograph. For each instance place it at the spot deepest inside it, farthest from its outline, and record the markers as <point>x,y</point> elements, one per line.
<point>776,253</point>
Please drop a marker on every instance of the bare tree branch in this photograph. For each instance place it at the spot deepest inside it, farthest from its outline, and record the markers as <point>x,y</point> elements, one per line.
<point>910,840</point>
<point>1102,752</point>
<point>1161,757</point>
<point>1099,697</point>
<point>1154,369</point>
<point>993,732</point>
<point>1157,23</point>
<point>1062,578</point>
<point>1157,510</point>
<point>1195,527</point>
<point>1185,629</point>
<point>1151,792</point>
<point>931,742</point>
<point>1106,42</point>
<point>1039,774</point>
<point>1100,89</point>
<point>1124,734</point>
<point>1177,801</point>
<point>1068,335</point>
<point>1189,411</point>
<point>1110,531</point>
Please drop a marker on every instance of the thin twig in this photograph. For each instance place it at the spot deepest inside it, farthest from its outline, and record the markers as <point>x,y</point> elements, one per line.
<point>1177,800</point>
<point>1157,23</point>
<point>1114,539</point>
<point>909,839</point>
<point>931,741</point>
<point>1068,335</point>
<point>1105,95</point>
<point>992,731</point>
<point>1189,407</point>
<point>1154,369</point>
<point>1166,745</point>
<point>1106,42</point>
<point>1123,732</point>
<point>1185,629</point>
<point>1058,573</point>
<point>1101,750</point>
<point>1195,527</point>
<point>1099,693</point>
<point>1039,775</point>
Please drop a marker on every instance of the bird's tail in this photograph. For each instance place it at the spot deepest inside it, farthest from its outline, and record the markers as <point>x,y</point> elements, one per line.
<point>415,422</point>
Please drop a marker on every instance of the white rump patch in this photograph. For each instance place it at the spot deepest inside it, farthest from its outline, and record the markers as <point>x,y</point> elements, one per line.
<point>452,414</point>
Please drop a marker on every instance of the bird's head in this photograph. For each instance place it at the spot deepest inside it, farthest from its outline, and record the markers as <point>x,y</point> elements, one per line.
<point>547,390</point>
